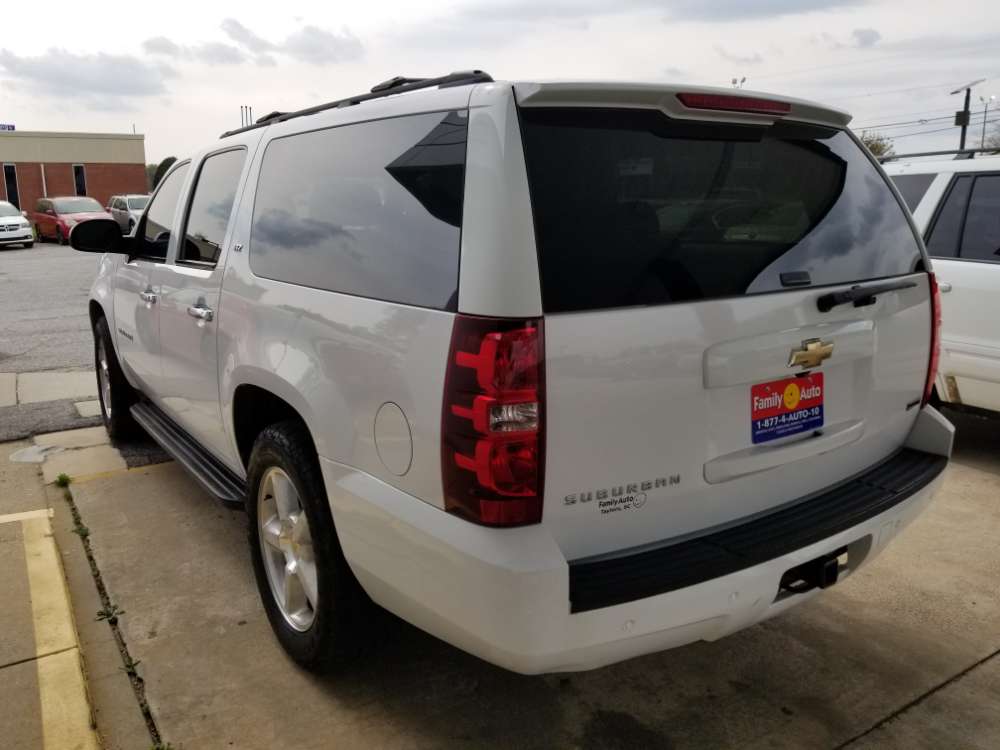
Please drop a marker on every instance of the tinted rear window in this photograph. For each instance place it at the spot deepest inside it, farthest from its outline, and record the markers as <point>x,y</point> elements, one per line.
<point>913,187</point>
<point>372,209</point>
<point>632,208</point>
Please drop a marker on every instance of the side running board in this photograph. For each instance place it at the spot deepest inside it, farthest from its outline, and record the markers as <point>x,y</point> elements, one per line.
<point>216,478</point>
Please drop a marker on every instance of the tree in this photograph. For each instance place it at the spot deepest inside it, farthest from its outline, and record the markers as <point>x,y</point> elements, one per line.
<point>993,139</point>
<point>162,170</point>
<point>880,145</point>
<point>150,174</point>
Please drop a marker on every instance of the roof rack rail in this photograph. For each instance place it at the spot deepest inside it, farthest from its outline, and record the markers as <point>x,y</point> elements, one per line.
<point>396,85</point>
<point>960,153</point>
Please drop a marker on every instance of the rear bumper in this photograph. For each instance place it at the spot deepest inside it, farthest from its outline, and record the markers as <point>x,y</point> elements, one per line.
<point>505,594</point>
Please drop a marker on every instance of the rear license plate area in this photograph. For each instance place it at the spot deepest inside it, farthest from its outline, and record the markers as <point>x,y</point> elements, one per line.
<point>780,408</point>
<point>821,572</point>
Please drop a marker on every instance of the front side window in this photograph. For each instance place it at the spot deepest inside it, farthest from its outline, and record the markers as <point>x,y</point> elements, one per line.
<point>371,209</point>
<point>80,179</point>
<point>943,239</point>
<point>76,205</point>
<point>155,236</point>
<point>211,206</point>
<point>633,208</point>
<point>981,238</point>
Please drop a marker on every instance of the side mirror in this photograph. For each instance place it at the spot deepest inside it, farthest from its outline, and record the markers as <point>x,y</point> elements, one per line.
<point>24,214</point>
<point>50,211</point>
<point>100,236</point>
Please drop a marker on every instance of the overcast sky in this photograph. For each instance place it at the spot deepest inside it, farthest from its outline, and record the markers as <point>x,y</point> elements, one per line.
<point>180,70</point>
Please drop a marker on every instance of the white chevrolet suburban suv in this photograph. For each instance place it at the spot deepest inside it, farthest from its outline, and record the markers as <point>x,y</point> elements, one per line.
<point>956,207</point>
<point>561,373</point>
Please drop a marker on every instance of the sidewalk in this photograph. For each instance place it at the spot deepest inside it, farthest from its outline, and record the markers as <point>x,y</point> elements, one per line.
<point>42,687</point>
<point>36,402</point>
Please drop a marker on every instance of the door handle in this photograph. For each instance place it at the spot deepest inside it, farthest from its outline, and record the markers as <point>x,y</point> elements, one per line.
<point>148,297</point>
<point>202,313</point>
<point>944,287</point>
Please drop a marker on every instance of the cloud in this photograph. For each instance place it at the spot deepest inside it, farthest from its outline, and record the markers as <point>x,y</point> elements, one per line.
<point>243,36</point>
<point>317,46</point>
<point>754,59</point>
<point>160,45</point>
<point>105,81</point>
<point>218,53</point>
<point>864,38</point>
<point>741,10</point>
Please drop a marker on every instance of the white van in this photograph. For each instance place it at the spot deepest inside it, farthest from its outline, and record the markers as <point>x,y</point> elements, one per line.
<point>562,373</point>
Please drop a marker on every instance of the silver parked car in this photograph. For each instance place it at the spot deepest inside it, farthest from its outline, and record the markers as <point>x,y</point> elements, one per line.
<point>561,373</point>
<point>127,210</point>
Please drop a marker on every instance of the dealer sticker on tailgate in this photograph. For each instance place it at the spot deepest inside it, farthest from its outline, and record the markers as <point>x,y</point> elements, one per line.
<point>786,407</point>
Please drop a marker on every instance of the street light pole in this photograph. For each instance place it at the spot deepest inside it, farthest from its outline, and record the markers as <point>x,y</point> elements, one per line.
<point>986,106</point>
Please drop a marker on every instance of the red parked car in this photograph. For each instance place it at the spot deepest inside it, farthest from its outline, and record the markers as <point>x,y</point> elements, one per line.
<point>54,217</point>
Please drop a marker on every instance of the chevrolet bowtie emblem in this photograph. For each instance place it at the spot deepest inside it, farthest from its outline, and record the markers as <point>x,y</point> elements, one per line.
<point>810,354</point>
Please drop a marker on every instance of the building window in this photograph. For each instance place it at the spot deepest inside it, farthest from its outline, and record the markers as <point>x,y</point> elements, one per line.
<point>80,179</point>
<point>10,182</point>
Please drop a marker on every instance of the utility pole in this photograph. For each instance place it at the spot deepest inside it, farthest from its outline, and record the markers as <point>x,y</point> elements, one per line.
<point>986,105</point>
<point>962,117</point>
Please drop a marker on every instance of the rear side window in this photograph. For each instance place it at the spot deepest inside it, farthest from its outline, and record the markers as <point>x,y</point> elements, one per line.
<point>912,187</point>
<point>632,208</point>
<point>372,209</point>
<point>159,221</point>
<point>943,239</point>
<point>981,238</point>
<point>211,205</point>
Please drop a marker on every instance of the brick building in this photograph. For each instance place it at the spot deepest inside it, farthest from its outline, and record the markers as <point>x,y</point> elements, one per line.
<point>38,165</point>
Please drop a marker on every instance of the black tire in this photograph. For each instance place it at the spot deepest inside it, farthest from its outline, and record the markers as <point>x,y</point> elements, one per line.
<point>59,236</point>
<point>131,226</point>
<point>118,418</point>
<point>38,234</point>
<point>28,245</point>
<point>335,636</point>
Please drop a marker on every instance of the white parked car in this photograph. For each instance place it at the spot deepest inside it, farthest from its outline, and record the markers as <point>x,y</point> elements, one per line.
<point>561,373</point>
<point>956,206</point>
<point>127,210</point>
<point>14,228</point>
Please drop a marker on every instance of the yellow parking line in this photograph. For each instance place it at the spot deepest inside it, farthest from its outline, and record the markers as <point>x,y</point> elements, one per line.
<point>25,515</point>
<point>66,718</point>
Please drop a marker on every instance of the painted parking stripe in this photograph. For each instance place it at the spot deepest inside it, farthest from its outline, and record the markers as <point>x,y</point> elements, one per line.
<point>26,515</point>
<point>65,710</point>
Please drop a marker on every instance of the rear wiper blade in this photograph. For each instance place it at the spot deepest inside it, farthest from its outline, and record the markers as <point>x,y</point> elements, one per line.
<point>859,295</point>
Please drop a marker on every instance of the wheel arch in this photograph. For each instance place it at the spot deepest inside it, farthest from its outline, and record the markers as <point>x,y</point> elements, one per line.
<point>255,407</point>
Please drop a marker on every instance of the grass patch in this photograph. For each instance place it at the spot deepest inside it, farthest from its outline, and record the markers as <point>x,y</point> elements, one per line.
<point>63,480</point>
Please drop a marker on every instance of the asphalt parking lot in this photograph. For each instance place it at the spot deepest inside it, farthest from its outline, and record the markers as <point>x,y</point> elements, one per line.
<point>903,654</point>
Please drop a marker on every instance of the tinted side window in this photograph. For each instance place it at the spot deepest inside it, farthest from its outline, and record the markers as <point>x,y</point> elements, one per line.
<point>913,187</point>
<point>943,239</point>
<point>372,209</point>
<point>208,215</point>
<point>981,238</point>
<point>160,216</point>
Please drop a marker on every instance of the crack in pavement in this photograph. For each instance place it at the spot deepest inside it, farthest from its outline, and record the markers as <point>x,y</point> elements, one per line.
<point>916,701</point>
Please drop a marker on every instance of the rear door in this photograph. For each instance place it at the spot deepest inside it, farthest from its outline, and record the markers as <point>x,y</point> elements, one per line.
<point>964,240</point>
<point>189,287</point>
<point>694,375</point>
<point>136,298</point>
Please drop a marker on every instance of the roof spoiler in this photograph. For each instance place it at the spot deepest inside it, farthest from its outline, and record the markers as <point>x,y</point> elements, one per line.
<point>396,85</point>
<point>960,153</point>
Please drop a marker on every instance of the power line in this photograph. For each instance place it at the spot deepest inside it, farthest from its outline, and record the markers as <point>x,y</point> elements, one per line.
<point>911,123</point>
<point>941,86</point>
<point>939,130</point>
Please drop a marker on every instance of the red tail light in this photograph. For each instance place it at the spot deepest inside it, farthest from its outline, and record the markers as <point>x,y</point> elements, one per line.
<point>733,103</point>
<point>492,447</point>
<point>932,366</point>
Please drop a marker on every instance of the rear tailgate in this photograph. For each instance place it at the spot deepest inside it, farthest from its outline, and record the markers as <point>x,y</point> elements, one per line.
<point>692,378</point>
